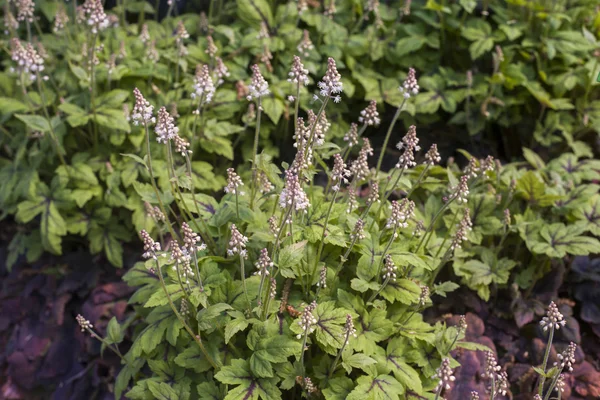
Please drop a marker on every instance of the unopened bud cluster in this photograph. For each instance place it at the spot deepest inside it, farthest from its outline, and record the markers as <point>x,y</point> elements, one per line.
<point>264,263</point>
<point>84,324</point>
<point>553,319</point>
<point>445,375</point>
<point>234,182</point>
<point>410,85</point>
<point>566,359</point>
<point>237,243</point>
<point>307,320</point>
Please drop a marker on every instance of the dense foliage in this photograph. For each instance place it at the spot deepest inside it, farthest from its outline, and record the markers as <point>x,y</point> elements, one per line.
<point>309,273</point>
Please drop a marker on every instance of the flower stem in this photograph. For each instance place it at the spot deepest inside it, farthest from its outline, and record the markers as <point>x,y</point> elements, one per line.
<point>160,203</point>
<point>383,285</point>
<point>255,151</point>
<point>447,233</point>
<point>322,243</point>
<point>207,237</point>
<point>337,357</point>
<point>243,273</point>
<point>387,136</point>
<point>195,337</point>
<point>546,355</point>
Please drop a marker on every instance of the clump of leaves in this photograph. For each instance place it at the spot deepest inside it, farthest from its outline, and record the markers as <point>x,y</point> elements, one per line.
<point>283,286</point>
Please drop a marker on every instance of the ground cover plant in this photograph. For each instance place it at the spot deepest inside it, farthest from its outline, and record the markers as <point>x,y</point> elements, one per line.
<point>319,270</point>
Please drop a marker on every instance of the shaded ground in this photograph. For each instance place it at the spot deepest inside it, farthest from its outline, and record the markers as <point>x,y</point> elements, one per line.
<point>44,355</point>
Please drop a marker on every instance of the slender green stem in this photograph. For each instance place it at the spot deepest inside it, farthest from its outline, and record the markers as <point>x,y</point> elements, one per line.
<point>195,337</point>
<point>197,115</point>
<point>418,182</point>
<point>52,134</point>
<point>183,290</point>
<point>243,273</point>
<point>432,225</point>
<point>387,195</point>
<point>386,250</point>
<point>383,285</point>
<point>313,128</point>
<point>349,148</point>
<point>303,350</point>
<point>114,349</point>
<point>546,355</point>
<point>438,393</point>
<point>297,106</point>
<point>93,86</point>
<point>337,357</point>
<point>387,136</point>
<point>322,242</point>
<point>150,170</point>
<point>237,204</point>
<point>447,233</point>
<point>207,237</point>
<point>195,257</point>
<point>255,151</point>
<point>553,384</point>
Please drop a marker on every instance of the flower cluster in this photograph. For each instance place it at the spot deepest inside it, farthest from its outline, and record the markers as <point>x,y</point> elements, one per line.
<point>96,17</point>
<point>152,53</point>
<point>84,324</point>
<point>181,258</point>
<point>264,185</point>
<point>221,70</point>
<point>258,85</point>
<point>464,227</point>
<point>263,264</point>
<point>339,174</point>
<point>298,74</point>
<point>424,296</point>
<point>567,358</point>
<point>293,194</point>
<point>432,156</point>
<point>358,231</point>
<point>461,191</point>
<point>373,193</point>
<point>25,10</point>
<point>352,135</point>
<point>553,319</point>
<point>370,116</point>
<point>237,243</point>
<point>165,126</point>
<point>306,45</point>
<point>154,212</point>
<point>410,144</point>
<point>204,88</point>
<point>349,329</point>
<point>191,239</point>
<point>410,85</point>
<point>322,283</point>
<point>180,32</point>
<point>307,320</point>
<point>401,213</point>
<point>331,84</point>
<point>444,375</point>
<point>142,110</point>
<point>150,246</point>
<point>181,145</point>
<point>61,20</point>
<point>144,34</point>
<point>27,58</point>
<point>389,269</point>
<point>493,372</point>
<point>360,167</point>
<point>233,182</point>
<point>321,127</point>
<point>211,48</point>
